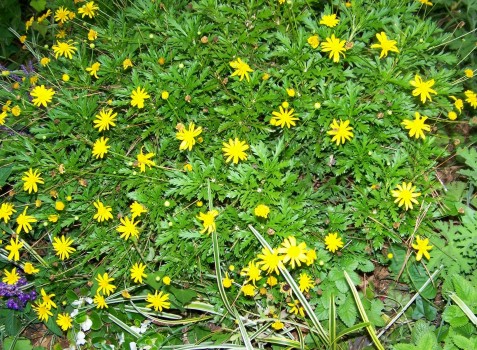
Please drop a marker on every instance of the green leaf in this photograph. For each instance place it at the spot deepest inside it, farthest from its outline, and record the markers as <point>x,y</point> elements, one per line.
<point>38,5</point>
<point>428,341</point>
<point>20,344</point>
<point>462,342</point>
<point>348,312</point>
<point>4,174</point>
<point>404,347</point>
<point>464,289</point>
<point>420,328</point>
<point>184,296</point>
<point>455,316</point>
<point>96,319</point>
<point>13,323</point>
<point>424,309</point>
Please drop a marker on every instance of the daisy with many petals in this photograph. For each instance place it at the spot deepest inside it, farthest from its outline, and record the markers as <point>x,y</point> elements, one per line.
<point>31,179</point>
<point>296,308</point>
<point>14,249</point>
<point>422,88</point>
<point>64,48</point>
<point>335,47</point>
<point>29,269</point>
<point>41,95</point>
<point>285,116</point>
<point>385,45</point>
<point>293,254</point>
<point>127,63</point>
<point>305,282</point>
<point>333,242</point>
<point>314,41</point>
<point>89,9</point>
<point>100,301</point>
<point>145,159</point>
<point>341,132</point>
<point>62,15</point>
<point>241,69</point>
<point>48,299</point>
<point>405,195</point>
<point>62,247</point>
<point>471,98</point>
<point>64,321</point>
<point>248,290</point>
<point>187,136</point>
<point>92,35</point>
<point>42,311</point>
<point>417,126</point>
<point>252,271</point>
<point>24,221</point>
<point>105,119</point>
<point>137,272</point>
<point>270,261</point>
<point>6,211</point>
<point>100,148</point>
<point>329,20</point>
<point>128,228</point>
<point>235,150</point>
<point>103,213</point>
<point>158,301</point>
<point>104,286</point>
<point>10,277</point>
<point>138,96</point>
<point>137,209</point>
<point>262,210</point>
<point>208,221</point>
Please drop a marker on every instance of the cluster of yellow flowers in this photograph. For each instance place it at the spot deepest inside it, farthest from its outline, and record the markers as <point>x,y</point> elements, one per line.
<point>290,253</point>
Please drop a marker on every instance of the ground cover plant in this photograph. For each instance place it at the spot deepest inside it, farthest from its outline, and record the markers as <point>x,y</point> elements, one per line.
<point>216,174</point>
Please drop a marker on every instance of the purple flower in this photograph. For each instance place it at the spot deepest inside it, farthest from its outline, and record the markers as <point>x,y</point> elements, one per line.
<point>17,298</point>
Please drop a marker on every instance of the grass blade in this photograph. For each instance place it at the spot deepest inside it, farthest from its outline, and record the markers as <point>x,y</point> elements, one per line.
<point>352,329</point>
<point>296,290</point>
<point>218,272</point>
<point>243,331</point>
<point>463,306</point>
<point>332,322</point>
<point>362,312</point>
<point>123,325</point>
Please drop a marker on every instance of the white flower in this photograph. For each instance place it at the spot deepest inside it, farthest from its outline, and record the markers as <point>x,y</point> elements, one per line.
<point>136,329</point>
<point>144,325</point>
<point>74,313</point>
<point>80,338</point>
<point>132,346</point>
<point>89,300</point>
<point>121,339</point>
<point>86,325</point>
<point>78,302</point>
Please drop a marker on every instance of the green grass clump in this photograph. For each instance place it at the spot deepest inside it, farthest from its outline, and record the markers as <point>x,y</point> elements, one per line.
<point>224,174</point>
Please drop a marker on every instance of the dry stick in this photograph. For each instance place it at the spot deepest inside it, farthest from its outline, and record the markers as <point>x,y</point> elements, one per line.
<point>410,301</point>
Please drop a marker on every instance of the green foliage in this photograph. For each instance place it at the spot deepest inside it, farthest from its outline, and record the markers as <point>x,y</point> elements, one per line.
<point>199,204</point>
